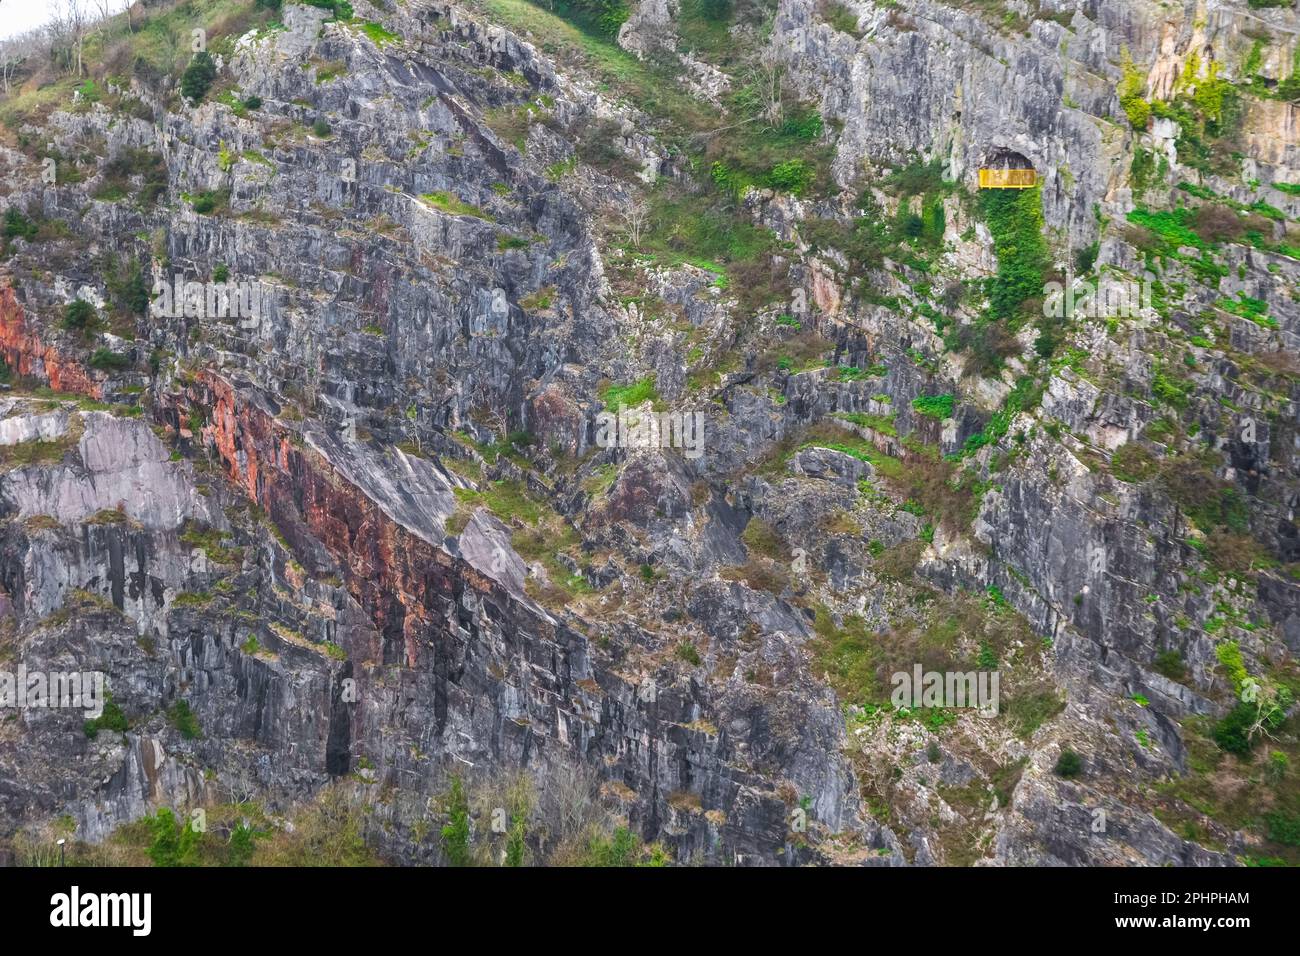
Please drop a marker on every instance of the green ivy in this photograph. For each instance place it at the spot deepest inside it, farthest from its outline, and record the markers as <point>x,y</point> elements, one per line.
<point>1015,217</point>
<point>1131,86</point>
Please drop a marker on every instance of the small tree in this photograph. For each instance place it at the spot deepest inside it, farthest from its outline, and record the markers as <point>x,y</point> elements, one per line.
<point>10,59</point>
<point>766,77</point>
<point>636,216</point>
<point>74,22</point>
<point>198,76</point>
<point>78,314</point>
<point>1260,715</point>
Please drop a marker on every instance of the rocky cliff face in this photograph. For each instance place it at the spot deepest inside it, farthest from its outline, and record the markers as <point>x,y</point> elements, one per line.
<point>368,537</point>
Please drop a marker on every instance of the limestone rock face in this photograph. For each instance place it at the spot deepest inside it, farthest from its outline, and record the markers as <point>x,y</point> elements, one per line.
<point>649,28</point>
<point>485,544</point>
<point>368,536</point>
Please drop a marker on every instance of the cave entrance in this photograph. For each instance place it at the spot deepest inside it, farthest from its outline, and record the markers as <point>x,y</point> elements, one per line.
<point>1007,169</point>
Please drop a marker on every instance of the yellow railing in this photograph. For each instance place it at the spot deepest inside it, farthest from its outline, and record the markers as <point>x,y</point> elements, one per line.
<point>1007,178</point>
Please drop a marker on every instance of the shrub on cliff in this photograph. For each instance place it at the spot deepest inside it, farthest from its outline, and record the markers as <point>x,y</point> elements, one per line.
<point>1068,765</point>
<point>198,76</point>
<point>210,202</point>
<point>1232,732</point>
<point>1208,501</point>
<point>131,162</point>
<point>107,360</point>
<point>1238,732</point>
<point>1289,88</point>
<point>184,720</point>
<point>1283,827</point>
<point>455,834</point>
<point>16,224</point>
<point>1170,663</point>
<point>934,406</point>
<point>328,832</point>
<point>78,314</point>
<point>1237,554</point>
<point>175,842</point>
<point>792,176</point>
<point>112,718</point>
<point>127,288</point>
<point>623,849</point>
<point>987,344</point>
<point>1133,463</point>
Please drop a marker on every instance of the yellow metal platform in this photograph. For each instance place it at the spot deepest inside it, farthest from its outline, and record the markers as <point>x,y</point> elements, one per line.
<point>1007,178</point>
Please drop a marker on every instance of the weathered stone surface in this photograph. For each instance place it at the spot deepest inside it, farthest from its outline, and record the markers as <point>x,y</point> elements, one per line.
<point>369,537</point>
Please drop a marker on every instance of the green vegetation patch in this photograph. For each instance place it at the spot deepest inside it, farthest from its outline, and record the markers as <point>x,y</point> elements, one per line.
<point>632,395</point>
<point>934,406</point>
<point>450,203</point>
<point>1015,218</point>
<point>378,33</point>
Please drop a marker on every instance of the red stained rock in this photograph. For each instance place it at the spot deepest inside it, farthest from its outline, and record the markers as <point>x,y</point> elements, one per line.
<point>25,353</point>
<point>556,420</point>
<point>408,585</point>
